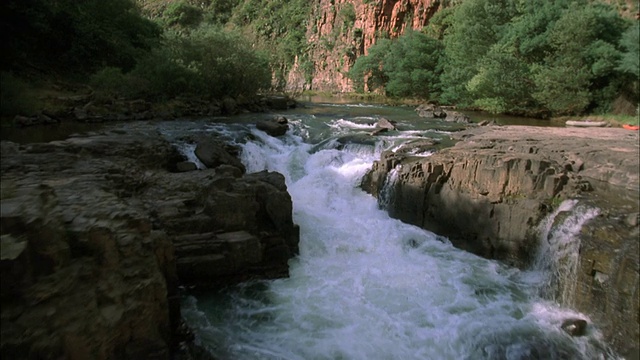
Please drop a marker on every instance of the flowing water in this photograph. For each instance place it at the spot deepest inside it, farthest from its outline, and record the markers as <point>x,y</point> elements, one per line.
<point>366,286</point>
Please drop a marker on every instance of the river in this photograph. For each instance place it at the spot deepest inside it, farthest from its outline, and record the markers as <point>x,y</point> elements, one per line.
<point>366,286</point>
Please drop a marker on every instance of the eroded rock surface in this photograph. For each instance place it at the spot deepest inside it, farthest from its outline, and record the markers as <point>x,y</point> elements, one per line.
<point>97,234</point>
<point>490,191</point>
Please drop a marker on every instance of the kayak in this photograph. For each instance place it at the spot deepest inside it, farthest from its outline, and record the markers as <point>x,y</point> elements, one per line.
<point>586,123</point>
<point>631,127</point>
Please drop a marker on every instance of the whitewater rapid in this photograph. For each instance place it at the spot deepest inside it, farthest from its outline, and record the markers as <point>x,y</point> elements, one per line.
<point>366,286</point>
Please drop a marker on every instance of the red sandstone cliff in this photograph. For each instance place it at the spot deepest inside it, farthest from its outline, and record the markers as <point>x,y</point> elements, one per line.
<point>341,30</point>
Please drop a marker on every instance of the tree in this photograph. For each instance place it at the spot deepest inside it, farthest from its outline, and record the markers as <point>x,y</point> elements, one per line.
<point>503,82</point>
<point>579,72</point>
<point>474,27</point>
<point>630,59</point>
<point>74,36</point>
<point>412,66</point>
<point>368,70</point>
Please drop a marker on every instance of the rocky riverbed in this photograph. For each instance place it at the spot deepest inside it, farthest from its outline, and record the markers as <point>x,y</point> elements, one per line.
<point>100,230</point>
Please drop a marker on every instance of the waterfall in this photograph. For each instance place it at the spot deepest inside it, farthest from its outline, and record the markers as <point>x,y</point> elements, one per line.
<point>386,196</point>
<point>188,151</point>
<point>558,253</point>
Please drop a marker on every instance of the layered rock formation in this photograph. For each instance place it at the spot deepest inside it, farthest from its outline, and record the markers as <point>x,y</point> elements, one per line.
<point>489,193</point>
<point>339,31</point>
<point>97,234</point>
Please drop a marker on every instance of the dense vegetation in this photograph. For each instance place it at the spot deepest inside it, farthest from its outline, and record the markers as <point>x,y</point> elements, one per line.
<point>539,57</point>
<point>180,50</point>
<point>523,57</point>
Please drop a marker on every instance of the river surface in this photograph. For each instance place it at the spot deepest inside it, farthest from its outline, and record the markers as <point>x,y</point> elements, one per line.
<point>366,286</point>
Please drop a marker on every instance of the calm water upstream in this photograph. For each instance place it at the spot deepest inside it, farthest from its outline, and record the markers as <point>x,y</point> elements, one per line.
<point>366,286</point>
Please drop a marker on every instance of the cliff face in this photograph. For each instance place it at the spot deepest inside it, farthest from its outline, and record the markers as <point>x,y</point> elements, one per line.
<point>340,31</point>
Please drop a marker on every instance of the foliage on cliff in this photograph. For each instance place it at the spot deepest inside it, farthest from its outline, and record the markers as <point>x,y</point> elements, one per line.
<point>542,57</point>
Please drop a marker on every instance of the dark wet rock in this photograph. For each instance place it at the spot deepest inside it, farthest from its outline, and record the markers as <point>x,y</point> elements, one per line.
<point>213,154</point>
<point>383,125</point>
<point>273,127</point>
<point>280,102</point>
<point>40,119</point>
<point>420,146</point>
<point>575,327</point>
<point>185,166</point>
<point>457,117</point>
<point>431,111</point>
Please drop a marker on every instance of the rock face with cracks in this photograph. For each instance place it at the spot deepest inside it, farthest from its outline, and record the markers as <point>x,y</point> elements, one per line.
<point>490,191</point>
<point>98,232</point>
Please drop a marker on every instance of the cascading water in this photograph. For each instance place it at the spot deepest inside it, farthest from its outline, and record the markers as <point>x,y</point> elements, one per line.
<point>557,256</point>
<point>366,286</point>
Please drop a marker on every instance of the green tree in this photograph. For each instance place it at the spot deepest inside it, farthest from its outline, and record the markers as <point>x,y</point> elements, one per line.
<point>473,28</point>
<point>630,60</point>
<point>406,66</point>
<point>502,83</point>
<point>412,66</point>
<point>367,71</point>
<point>579,73</point>
<point>182,14</point>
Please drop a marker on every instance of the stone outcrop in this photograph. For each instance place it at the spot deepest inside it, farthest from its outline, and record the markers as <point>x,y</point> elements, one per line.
<point>274,127</point>
<point>342,30</point>
<point>437,112</point>
<point>490,191</point>
<point>99,231</point>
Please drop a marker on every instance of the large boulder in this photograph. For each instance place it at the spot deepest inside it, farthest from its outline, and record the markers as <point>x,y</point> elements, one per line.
<point>212,154</point>
<point>274,127</point>
<point>431,111</point>
<point>83,275</point>
<point>383,125</point>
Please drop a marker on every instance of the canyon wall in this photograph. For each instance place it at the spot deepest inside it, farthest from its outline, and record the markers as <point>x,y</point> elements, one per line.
<point>340,31</point>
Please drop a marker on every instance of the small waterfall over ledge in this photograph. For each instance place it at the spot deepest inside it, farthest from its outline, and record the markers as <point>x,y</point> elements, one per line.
<point>558,253</point>
<point>387,192</point>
